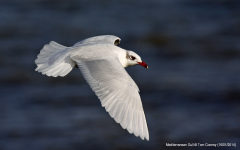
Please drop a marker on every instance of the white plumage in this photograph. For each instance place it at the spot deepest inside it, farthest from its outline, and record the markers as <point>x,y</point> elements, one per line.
<point>54,60</point>
<point>102,65</point>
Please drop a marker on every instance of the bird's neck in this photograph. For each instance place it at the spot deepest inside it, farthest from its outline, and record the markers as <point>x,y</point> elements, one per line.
<point>122,56</point>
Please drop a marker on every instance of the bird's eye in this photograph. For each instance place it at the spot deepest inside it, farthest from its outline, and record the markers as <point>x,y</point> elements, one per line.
<point>132,57</point>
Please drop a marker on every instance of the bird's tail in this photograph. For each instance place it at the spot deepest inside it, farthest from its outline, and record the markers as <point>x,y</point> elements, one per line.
<point>54,60</point>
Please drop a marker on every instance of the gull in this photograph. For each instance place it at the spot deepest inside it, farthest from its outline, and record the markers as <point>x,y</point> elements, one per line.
<point>102,64</point>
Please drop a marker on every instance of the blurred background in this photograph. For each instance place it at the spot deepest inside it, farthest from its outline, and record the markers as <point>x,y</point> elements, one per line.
<point>190,93</point>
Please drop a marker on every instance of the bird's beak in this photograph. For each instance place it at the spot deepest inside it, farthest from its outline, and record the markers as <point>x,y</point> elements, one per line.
<point>143,64</point>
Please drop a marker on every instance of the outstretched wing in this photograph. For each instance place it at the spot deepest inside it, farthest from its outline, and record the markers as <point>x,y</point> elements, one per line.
<point>103,39</point>
<point>117,92</point>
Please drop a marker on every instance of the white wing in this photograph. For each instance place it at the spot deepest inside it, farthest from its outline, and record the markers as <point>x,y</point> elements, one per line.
<point>103,39</point>
<point>54,59</point>
<point>117,92</point>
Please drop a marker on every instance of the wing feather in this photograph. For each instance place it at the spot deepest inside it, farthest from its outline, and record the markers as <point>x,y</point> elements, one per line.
<point>129,120</point>
<point>136,125</point>
<point>140,125</point>
<point>126,117</point>
<point>114,108</point>
<point>119,113</point>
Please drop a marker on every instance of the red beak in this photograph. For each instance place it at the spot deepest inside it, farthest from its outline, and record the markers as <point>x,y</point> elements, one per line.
<point>143,64</point>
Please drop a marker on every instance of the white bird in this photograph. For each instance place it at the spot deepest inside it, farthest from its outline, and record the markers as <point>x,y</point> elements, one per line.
<point>102,64</point>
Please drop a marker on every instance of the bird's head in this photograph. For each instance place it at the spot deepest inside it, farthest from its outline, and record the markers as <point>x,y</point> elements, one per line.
<point>134,59</point>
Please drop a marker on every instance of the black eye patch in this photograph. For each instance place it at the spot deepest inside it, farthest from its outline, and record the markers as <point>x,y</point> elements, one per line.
<point>117,42</point>
<point>132,57</point>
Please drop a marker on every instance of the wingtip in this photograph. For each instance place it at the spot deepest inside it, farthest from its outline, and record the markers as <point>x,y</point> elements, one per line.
<point>147,138</point>
<point>144,138</point>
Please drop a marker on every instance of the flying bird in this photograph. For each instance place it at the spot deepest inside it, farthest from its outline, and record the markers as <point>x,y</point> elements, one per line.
<point>102,63</point>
